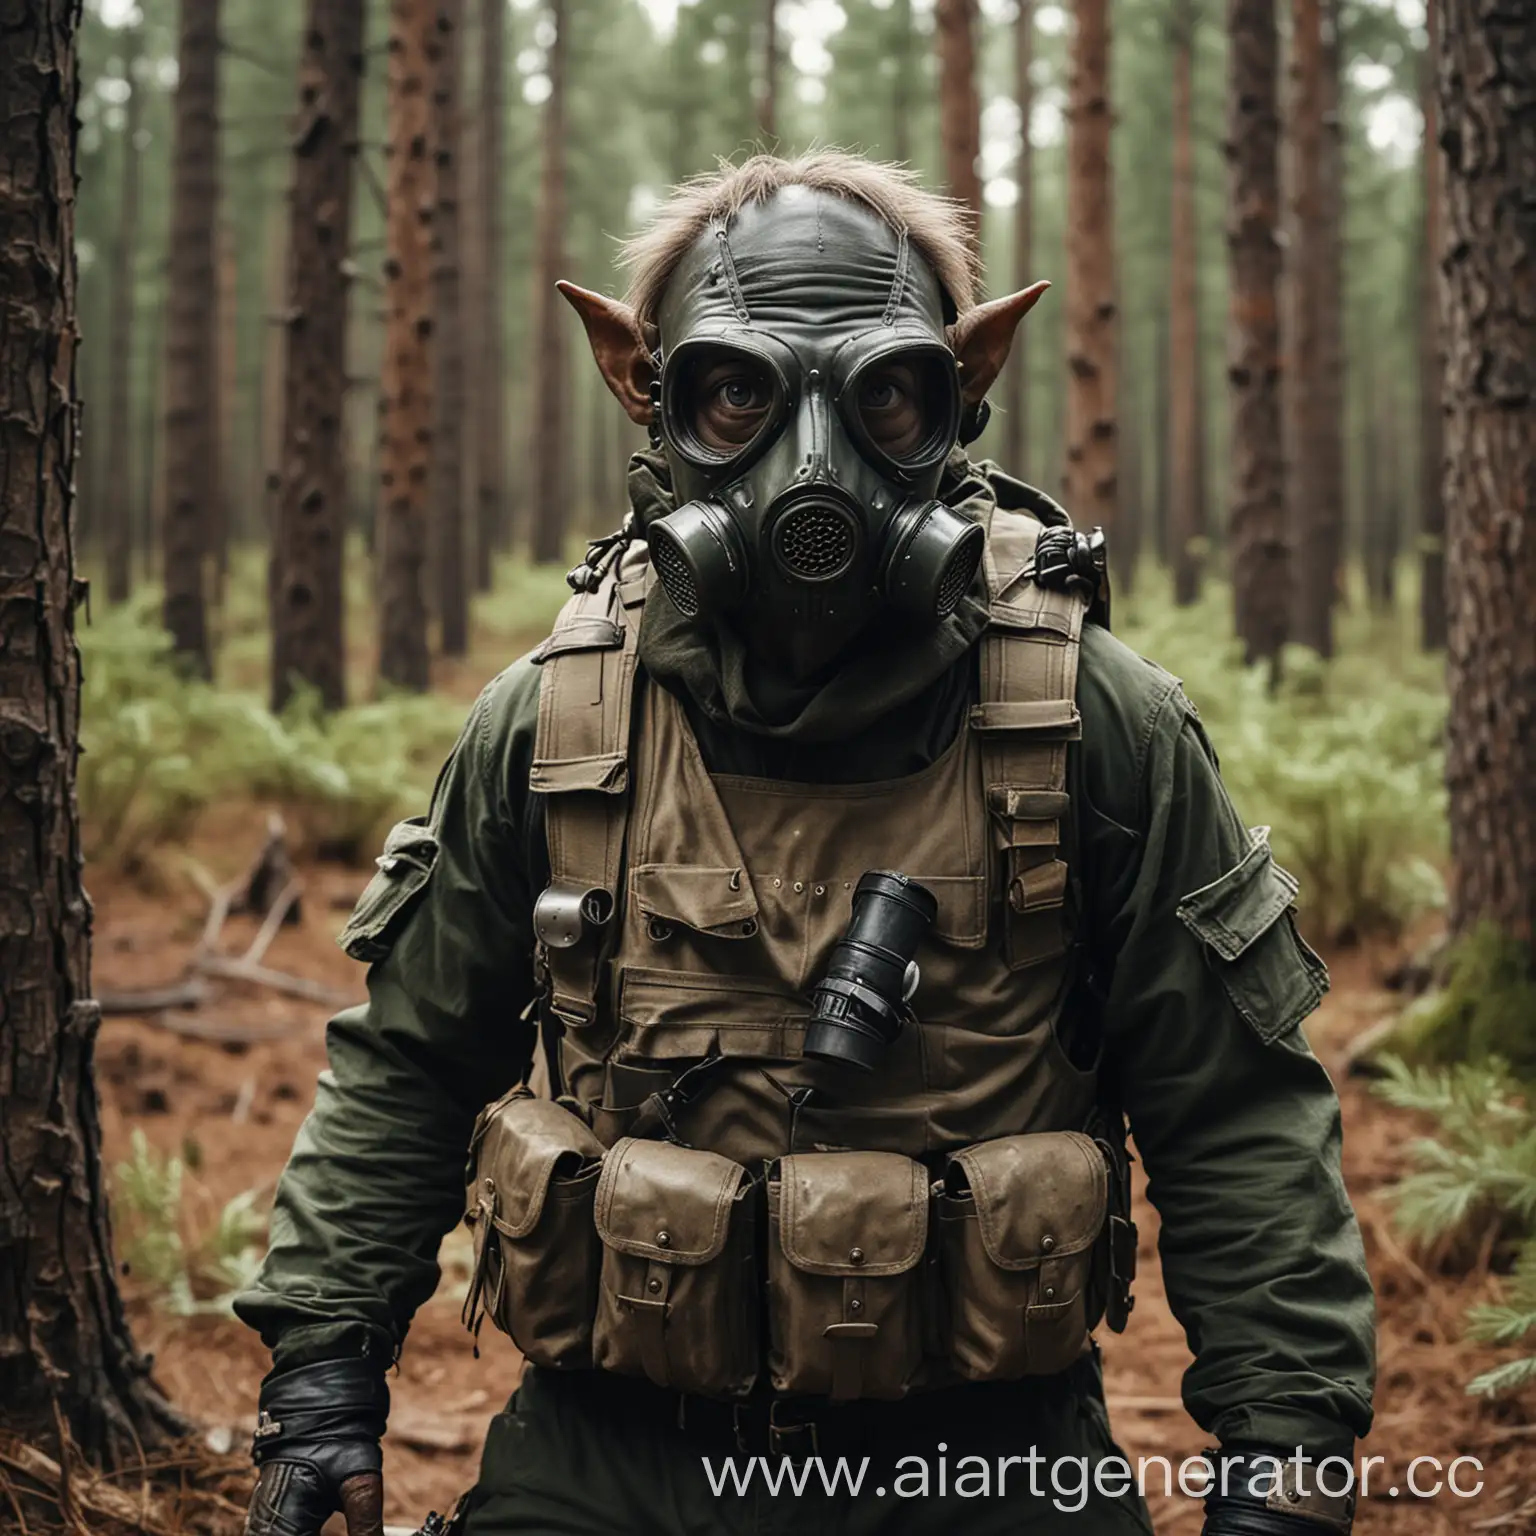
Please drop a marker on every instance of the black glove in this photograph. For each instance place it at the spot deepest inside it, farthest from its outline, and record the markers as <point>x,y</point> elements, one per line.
<point>1241,1512</point>
<point>317,1450</point>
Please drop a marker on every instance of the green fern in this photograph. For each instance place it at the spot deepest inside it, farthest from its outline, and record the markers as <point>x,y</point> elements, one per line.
<point>1477,1179</point>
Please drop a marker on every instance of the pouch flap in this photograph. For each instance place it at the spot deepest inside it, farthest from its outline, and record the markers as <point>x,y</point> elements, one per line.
<point>405,865</point>
<point>712,900</point>
<point>1230,913</point>
<point>580,632</point>
<point>852,1213</point>
<point>1041,1196</point>
<point>667,1203</point>
<point>520,1144</point>
<point>607,772</point>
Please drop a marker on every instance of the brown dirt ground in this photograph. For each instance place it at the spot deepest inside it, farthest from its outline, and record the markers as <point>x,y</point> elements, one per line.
<point>238,1107</point>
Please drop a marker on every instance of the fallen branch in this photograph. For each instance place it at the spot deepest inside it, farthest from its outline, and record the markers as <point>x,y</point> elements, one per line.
<point>276,916</point>
<point>218,1033</point>
<point>85,1491</point>
<point>230,969</point>
<point>186,993</point>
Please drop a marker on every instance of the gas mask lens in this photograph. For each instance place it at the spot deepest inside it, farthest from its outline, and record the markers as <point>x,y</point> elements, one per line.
<point>718,402</point>
<point>902,407</point>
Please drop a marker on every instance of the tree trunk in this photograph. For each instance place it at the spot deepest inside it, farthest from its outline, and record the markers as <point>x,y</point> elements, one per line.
<point>1256,519</point>
<point>448,436</point>
<point>119,505</point>
<point>1091,310</point>
<point>309,539</point>
<point>1186,424</point>
<point>550,478</point>
<point>64,1342</point>
<point>225,390</point>
<point>1162,438</point>
<point>1488,131</point>
<point>191,436</point>
<point>1016,452</point>
<point>490,365</point>
<point>405,389</point>
<point>1329,516</point>
<point>1125,548</point>
<point>955,23</point>
<point>768,101</point>
<point>903,91</point>
<point>1431,358</point>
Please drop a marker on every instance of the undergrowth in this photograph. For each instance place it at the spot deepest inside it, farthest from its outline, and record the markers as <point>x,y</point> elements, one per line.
<point>1342,759</point>
<point>181,1273</point>
<point>1473,1193</point>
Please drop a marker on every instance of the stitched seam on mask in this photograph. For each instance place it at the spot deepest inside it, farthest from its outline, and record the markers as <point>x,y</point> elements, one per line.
<point>732,283</point>
<point>899,282</point>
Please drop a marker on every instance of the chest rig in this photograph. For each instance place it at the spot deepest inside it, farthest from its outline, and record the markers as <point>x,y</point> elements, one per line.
<point>690,914</point>
<point>706,1206</point>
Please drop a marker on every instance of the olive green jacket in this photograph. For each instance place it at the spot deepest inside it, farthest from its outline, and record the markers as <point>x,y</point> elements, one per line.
<point>1233,1116</point>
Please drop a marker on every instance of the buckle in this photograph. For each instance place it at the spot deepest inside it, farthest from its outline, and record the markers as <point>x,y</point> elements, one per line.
<point>782,1438</point>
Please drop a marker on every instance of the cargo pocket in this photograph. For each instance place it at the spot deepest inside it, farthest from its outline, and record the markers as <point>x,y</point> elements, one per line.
<point>1019,1220</point>
<point>1246,922</point>
<point>847,1232</point>
<point>678,1302</point>
<point>534,1176</point>
<point>405,866</point>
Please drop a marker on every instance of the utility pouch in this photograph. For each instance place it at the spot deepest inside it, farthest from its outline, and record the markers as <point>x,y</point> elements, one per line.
<point>847,1232</point>
<point>678,1302</point>
<point>534,1170</point>
<point>1019,1221</point>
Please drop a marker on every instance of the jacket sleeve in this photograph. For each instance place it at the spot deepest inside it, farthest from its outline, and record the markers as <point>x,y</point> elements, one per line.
<point>1205,985</point>
<point>376,1174</point>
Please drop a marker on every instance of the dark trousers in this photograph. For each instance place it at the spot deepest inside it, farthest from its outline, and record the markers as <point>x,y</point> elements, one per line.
<point>590,1454</point>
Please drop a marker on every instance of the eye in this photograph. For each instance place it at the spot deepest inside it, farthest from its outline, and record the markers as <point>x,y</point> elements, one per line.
<point>892,409</point>
<point>738,394</point>
<point>882,394</point>
<point>728,400</point>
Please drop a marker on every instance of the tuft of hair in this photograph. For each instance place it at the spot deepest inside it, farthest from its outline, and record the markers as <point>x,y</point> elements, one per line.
<point>939,228</point>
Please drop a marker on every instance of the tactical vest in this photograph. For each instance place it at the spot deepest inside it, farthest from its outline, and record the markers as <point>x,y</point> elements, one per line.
<point>949,1205</point>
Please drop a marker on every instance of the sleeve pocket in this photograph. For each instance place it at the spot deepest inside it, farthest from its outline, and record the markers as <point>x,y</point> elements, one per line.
<point>405,866</point>
<point>1245,920</point>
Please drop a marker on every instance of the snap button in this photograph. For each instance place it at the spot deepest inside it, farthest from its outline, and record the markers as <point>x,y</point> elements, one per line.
<point>663,1239</point>
<point>749,927</point>
<point>659,930</point>
<point>1050,1291</point>
<point>855,1255</point>
<point>799,886</point>
<point>821,890</point>
<point>777,882</point>
<point>1047,1243</point>
<point>653,1286</point>
<point>855,1305</point>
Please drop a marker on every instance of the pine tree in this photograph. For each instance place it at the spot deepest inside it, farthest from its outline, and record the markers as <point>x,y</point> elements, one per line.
<point>1256,519</point>
<point>488,364</point>
<point>405,390</point>
<point>1488,132</point>
<point>1185,443</point>
<point>309,539</point>
<point>551,485</point>
<point>1091,308</point>
<point>1016,452</point>
<point>191,437</point>
<point>67,1360</point>
<point>955,24</point>
<point>1432,619</point>
<point>119,503</point>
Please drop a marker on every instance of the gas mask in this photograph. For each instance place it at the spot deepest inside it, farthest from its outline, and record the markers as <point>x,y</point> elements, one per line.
<point>807,401</point>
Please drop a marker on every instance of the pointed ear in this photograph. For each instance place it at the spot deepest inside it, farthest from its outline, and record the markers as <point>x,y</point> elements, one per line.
<point>981,337</point>
<point>619,348</point>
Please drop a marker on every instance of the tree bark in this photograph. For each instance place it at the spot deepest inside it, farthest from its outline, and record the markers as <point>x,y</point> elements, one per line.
<point>405,389</point>
<point>1314,313</point>
<point>1130,508</point>
<point>221,523</point>
<point>490,366</point>
<point>955,23</point>
<point>550,477</point>
<point>65,1347</point>
<point>1091,310</point>
<point>1431,356</point>
<point>309,538</point>
<point>903,93</point>
<point>768,101</point>
<point>1487,94</point>
<point>1017,451</point>
<point>1186,421</point>
<point>119,449</point>
<point>1256,519</point>
<point>448,437</point>
<point>191,434</point>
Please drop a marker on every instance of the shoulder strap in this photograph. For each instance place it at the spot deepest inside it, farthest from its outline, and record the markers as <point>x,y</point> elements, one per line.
<point>1025,716</point>
<point>581,763</point>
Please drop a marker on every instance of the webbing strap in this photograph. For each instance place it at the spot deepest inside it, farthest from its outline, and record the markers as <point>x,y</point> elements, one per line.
<point>1025,716</point>
<point>581,762</point>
